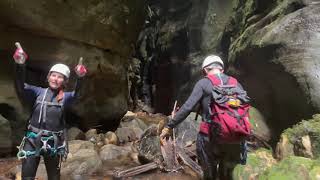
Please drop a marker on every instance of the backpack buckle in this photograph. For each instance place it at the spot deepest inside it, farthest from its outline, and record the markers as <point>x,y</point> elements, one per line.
<point>234,103</point>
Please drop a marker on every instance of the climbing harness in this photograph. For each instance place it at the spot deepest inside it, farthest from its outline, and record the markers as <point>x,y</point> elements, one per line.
<point>43,141</point>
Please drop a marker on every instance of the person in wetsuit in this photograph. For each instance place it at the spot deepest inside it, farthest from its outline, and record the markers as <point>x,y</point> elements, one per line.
<point>46,129</point>
<point>213,157</point>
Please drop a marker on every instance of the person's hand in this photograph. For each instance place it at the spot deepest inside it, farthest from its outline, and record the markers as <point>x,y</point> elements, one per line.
<point>19,55</point>
<point>80,69</point>
<point>165,133</point>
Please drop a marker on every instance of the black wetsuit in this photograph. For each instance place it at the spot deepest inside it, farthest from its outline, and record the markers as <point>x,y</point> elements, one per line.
<point>47,116</point>
<point>209,153</point>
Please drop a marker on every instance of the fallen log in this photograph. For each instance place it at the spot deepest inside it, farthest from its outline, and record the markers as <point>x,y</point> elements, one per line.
<point>188,161</point>
<point>136,170</point>
<point>169,156</point>
<point>191,150</point>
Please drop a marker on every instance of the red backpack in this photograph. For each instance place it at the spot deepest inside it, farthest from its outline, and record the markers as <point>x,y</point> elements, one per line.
<point>229,112</point>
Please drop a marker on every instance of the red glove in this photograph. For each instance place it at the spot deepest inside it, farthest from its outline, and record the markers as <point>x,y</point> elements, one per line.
<point>80,69</point>
<point>19,55</point>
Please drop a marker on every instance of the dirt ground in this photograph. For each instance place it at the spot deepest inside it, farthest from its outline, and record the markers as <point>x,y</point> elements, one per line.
<point>5,165</point>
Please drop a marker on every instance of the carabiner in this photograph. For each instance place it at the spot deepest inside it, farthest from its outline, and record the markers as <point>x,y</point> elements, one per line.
<point>22,154</point>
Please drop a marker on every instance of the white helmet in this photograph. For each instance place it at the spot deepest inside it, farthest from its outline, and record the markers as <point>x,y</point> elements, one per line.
<point>212,59</point>
<point>61,68</point>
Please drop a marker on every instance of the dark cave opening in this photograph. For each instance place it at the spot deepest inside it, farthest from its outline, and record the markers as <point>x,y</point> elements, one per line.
<point>274,92</point>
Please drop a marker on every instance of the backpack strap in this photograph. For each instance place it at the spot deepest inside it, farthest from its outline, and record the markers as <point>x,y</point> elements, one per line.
<point>232,81</point>
<point>215,80</point>
<point>41,106</point>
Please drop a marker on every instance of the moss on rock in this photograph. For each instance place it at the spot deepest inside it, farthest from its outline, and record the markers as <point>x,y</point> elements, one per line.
<point>292,167</point>
<point>257,162</point>
<point>309,128</point>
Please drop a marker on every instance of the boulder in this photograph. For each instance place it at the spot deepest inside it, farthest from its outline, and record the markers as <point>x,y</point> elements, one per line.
<point>76,145</point>
<point>111,138</point>
<point>301,140</point>
<point>187,131</point>
<point>259,124</point>
<point>129,116</point>
<point>115,155</point>
<point>82,159</point>
<point>134,123</point>
<point>150,119</point>
<point>128,134</point>
<point>284,148</point>
<point>258,162</point>
<point>293,167</point>
<point>149,145</point>
<point>75,133</point>
<point>5,136</point>
<point>91,133</point>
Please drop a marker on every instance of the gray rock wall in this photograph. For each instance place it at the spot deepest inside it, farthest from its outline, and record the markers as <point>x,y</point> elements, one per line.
<point>102,32</point>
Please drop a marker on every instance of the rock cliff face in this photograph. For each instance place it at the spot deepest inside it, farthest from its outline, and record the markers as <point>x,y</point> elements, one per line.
<point>102,32</point>
<point>274,54</point>
<point>270,46</point>
<point>297,155</point>
<point>186,32</point>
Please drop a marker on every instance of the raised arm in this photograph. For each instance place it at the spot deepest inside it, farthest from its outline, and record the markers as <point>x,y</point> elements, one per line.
<point>25,92</point>
<point>80,71</point>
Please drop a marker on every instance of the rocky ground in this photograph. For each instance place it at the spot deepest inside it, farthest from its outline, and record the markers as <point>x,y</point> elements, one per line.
<point>98,155</point>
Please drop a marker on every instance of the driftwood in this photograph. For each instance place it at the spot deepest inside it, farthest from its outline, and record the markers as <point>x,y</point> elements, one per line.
<point>191,150</point>
<point>168,164</point>
<point>188,161</point>
<point>168,150</point>
<point>136,170</point>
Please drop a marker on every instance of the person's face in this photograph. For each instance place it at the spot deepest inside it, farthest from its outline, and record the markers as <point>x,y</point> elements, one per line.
<point>56,80</point>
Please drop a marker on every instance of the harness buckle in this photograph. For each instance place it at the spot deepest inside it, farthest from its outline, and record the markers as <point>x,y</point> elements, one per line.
<point>45,144</point>
<point>22,154</point>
